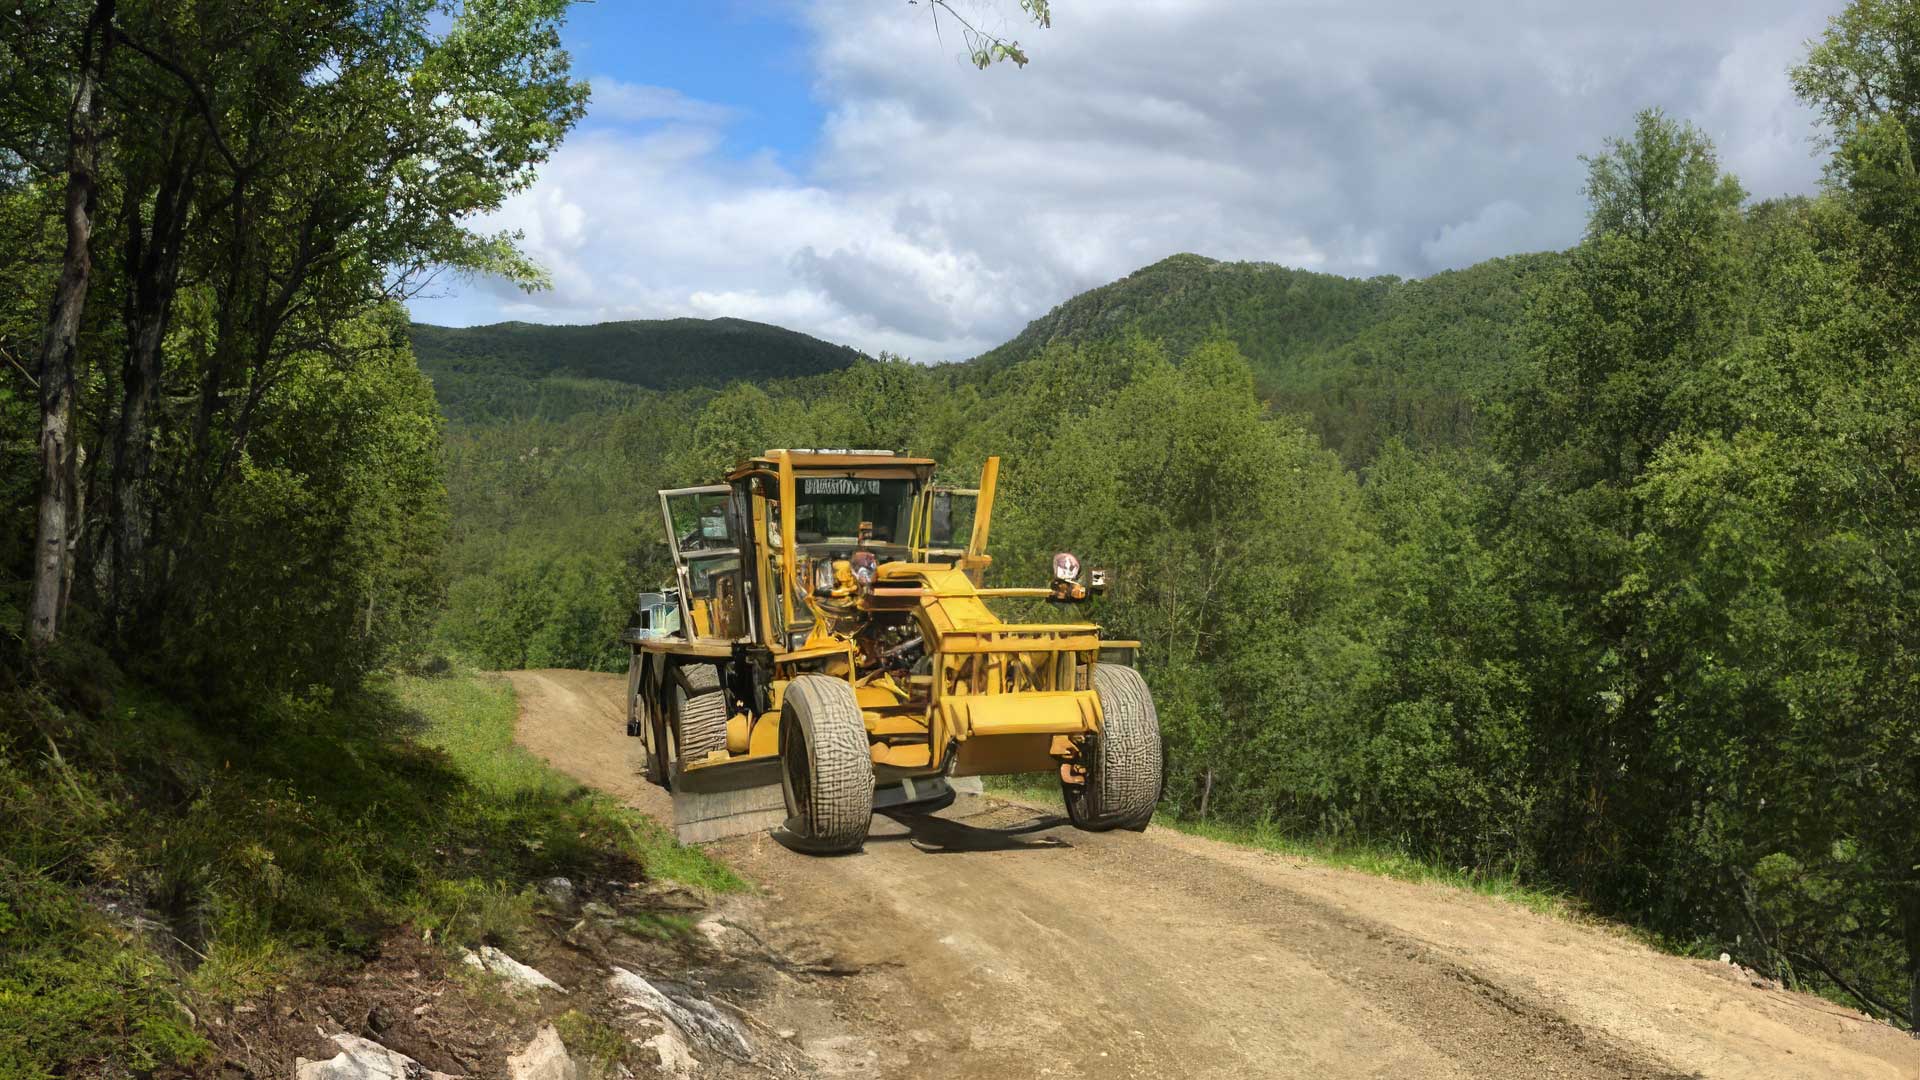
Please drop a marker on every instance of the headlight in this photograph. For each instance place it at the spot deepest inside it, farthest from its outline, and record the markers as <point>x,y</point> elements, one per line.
<point>865,567</point>
<point>823,576</point>
<point>1066,567</point>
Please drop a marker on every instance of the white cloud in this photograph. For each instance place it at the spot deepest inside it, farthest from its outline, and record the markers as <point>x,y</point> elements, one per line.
<point>1499,228</point>
<point>943,207</point>
<point>631,102</point>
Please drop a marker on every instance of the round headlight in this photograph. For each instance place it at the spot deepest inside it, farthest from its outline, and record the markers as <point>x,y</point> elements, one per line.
<point>1066,567</point>
<point>823,576</point>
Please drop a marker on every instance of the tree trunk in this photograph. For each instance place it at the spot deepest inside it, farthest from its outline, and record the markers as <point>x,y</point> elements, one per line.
<point>59,349</point>
<point>153,266</point>
<point>1910,918</point>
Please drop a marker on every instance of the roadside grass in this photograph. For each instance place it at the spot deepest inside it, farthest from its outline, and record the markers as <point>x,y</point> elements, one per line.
<point>1377,859</point>
<point>470,717</point>
<point>157,856</point>
<point>1382,861</point>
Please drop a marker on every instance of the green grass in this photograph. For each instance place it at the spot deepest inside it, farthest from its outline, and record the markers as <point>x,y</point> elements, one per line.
<point>270,843</point>
<point>470,718</point>
<point>1378,859</point>
<point>660,927</point>
<point>595,1041</point>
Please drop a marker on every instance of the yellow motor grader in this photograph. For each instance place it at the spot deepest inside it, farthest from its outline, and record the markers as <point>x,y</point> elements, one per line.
<point>829,651</point>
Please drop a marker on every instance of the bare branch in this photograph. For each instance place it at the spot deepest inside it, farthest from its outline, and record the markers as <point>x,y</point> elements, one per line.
<point>193,87</point>
<point>35,383</point>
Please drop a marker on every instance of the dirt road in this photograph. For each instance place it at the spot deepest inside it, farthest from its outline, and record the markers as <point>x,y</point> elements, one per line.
<point>995,941</point>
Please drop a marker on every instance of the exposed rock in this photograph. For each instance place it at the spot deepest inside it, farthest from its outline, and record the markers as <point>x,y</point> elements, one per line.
<point>588,933</point>
<point>673,897</point>
<point>598,910</point>
<point>363,1059</point>
<point>559,892</point>
<point>715,931</point>
<point>517,974</point>
<point>843,1055</point>
<point>676,1058</point>
<point>545,1058</point>
<point>699,1020</point>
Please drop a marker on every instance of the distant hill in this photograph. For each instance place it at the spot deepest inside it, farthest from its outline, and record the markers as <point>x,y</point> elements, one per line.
<point>518,369</point>
<point>1273,312</point>
<point>1363,358</point>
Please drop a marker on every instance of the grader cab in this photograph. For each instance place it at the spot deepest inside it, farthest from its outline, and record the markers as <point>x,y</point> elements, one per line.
<point>828,650</point>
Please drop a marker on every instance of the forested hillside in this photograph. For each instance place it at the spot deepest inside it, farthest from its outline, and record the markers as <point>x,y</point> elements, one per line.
<point>523,370</point>
<point>1362,359</point>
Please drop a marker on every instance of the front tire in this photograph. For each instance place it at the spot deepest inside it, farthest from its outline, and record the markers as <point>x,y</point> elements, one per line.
<point>1124,765</point>
<point>826,768</point>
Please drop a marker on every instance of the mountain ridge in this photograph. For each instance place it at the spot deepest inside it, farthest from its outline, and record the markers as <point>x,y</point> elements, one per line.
<point>514,369</point>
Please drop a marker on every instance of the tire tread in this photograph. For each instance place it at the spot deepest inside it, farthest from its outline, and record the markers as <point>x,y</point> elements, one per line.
<point>1123,783</point>
<point>701,712</point>
<point>840,809</point>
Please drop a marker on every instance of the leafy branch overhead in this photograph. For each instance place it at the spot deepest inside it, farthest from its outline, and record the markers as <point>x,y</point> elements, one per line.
<point>984,48</point>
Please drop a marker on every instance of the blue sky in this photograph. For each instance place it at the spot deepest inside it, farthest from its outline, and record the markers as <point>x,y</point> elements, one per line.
<point>751,57</point>
<point>836,166</point>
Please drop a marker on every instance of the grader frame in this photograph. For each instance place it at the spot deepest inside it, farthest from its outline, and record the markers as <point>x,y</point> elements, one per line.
<point>845,575</point>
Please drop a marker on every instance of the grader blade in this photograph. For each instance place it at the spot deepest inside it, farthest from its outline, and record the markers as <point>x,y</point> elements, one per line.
<point>720,813</point>
<point>701,817</point>
<point>716,802</point>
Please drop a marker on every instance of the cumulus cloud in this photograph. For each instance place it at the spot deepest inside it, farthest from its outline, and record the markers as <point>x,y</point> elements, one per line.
<point>630,102</point>
<point>943,207</point>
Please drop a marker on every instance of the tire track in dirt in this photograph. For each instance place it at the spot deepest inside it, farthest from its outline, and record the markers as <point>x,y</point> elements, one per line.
<point>994,941</point>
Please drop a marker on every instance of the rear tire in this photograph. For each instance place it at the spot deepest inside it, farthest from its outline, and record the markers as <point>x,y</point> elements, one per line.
<point>1125,766</point>
<point>644,722</point>
<point>699,713</point>
<point>826,768</point>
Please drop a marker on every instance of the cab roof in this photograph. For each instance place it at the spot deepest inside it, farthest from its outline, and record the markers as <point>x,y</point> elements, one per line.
<point>876,460</point>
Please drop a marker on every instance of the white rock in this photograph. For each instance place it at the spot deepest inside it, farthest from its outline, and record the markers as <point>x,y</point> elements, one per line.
<point>1726,958</point>
<point>558,891</point>
<point>506,967</point>
<point>698,1020</point>
<point>362,1059</point>
<point>676,1058</point>
<point>714,931</point>
<point>545,1058</point>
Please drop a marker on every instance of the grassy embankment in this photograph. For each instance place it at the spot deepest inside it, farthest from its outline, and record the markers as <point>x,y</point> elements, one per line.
<point>156,858</point>
<point>1383,860</point>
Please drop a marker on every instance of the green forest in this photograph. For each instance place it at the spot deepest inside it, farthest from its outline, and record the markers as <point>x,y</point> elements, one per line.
<point>1594,569</point>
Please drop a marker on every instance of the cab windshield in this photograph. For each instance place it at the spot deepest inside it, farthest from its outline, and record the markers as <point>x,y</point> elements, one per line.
<point>832,508</point>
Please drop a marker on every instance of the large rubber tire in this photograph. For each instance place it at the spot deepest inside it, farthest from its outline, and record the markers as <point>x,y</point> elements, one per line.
<point>642,716</point>
<point>1124,772</point>
<point>699,712</point>
<point>826,768</point>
